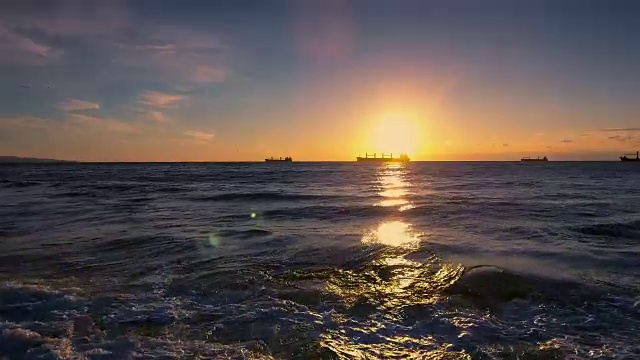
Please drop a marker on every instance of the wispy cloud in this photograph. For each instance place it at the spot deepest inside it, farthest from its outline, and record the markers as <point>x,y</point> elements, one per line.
<point>159,99</point>
<point>103,124</point>
<point>566,141</point>
<point>19,50</point>
<point>209,74</point>
<point>199,135</point>
<point>24,122</point>
<point>75,105</point>
<point>505,145</point>
<point>621,129</point>
<point>72,121</point>
<point>155,115</point>
<point>178,53</point>
<point>71,18</point>
<point>624,134</point>
<point>621,138</point>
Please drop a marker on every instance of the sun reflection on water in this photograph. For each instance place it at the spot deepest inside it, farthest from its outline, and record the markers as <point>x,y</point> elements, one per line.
<point>380,293</point>
<point>393,186</point>
<point>393,233</point>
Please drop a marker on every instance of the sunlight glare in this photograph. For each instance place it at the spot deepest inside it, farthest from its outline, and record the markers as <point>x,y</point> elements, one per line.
<point>394,233</point>
<point>393,186</point>
<point>397,134</point>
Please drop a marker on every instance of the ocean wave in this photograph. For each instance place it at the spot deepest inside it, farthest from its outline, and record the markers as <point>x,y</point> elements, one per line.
<point>65,325</point>
<point>334,213</point>
<point>263,196</point>
<point>388,303</point>
<point>170,189</point>
<point>249,261</point>
<point>244,234</point>
<point>117,187</point>
<point>18,183</point>
<point>380,308</point>
<point>623,229</point>
<point>74,194</point>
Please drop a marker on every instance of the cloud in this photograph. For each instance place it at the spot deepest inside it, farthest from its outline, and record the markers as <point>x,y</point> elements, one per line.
<point>505,145</point>
<point>108,38</point>
<point>104,124</point>
<point>199,135</point>
<point>621,138</point>
<point>549,147</point>
<point>17,49</point>
<point>628,134</point>
<point>178,53</point>
<point>24,122</point>
<point>110,31</point>
<point>566,141</point>
<point>70,17</point>
<point>155,116</point>
<point>71,121</point>
<point>621,129</point>
<point>75,105</point>
<point>209,74</point>
<point>159,99</point>
<point>83,119</point>
<point>159,49</point>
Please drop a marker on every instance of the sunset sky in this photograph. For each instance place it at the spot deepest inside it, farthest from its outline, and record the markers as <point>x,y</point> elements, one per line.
<point>153,80</point>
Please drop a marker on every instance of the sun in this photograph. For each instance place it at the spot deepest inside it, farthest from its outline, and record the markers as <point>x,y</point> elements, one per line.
<point>396,134</point>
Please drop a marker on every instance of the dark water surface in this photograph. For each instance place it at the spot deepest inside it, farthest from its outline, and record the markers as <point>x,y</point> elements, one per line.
<point>320,260</point>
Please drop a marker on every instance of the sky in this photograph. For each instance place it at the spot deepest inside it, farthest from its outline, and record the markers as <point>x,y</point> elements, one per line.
<point>241,80</point>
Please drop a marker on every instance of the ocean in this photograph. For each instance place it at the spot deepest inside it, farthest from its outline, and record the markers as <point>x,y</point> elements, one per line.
<point>426,260</point>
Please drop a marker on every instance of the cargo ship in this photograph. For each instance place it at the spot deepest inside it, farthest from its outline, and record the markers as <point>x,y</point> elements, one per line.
<point>272,159</point>
<point>528,158</point>
<point>625,158</point>
<point>384,158</point>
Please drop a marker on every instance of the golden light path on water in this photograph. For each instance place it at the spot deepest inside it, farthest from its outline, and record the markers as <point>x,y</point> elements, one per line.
<point>393,186</point>
<point>387,285</point>
<point>393,233</point>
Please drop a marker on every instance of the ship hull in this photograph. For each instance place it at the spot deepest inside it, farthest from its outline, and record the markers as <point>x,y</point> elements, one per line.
<point>526,160</point>
<point>278,161</point>
<point>629,159</point>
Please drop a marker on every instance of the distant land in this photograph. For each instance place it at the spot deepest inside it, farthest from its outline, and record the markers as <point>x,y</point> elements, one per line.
<point>19,160</point>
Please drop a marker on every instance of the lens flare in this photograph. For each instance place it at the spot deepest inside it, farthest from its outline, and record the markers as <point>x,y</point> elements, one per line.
<point>214,240</point>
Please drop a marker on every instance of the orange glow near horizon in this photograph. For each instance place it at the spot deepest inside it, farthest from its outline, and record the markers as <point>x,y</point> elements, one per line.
<point>396,133</point>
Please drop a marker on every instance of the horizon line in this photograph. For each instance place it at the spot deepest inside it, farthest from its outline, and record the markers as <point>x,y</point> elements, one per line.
<point>316,161</point>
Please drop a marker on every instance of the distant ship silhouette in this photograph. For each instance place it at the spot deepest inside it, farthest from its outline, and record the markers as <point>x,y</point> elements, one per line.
<point>528,158</point>
<point>384,158</point>
<point>625,158</point>
<point>286,159</point>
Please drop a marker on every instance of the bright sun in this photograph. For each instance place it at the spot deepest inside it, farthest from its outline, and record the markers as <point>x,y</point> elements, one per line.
<point>396,134</point>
